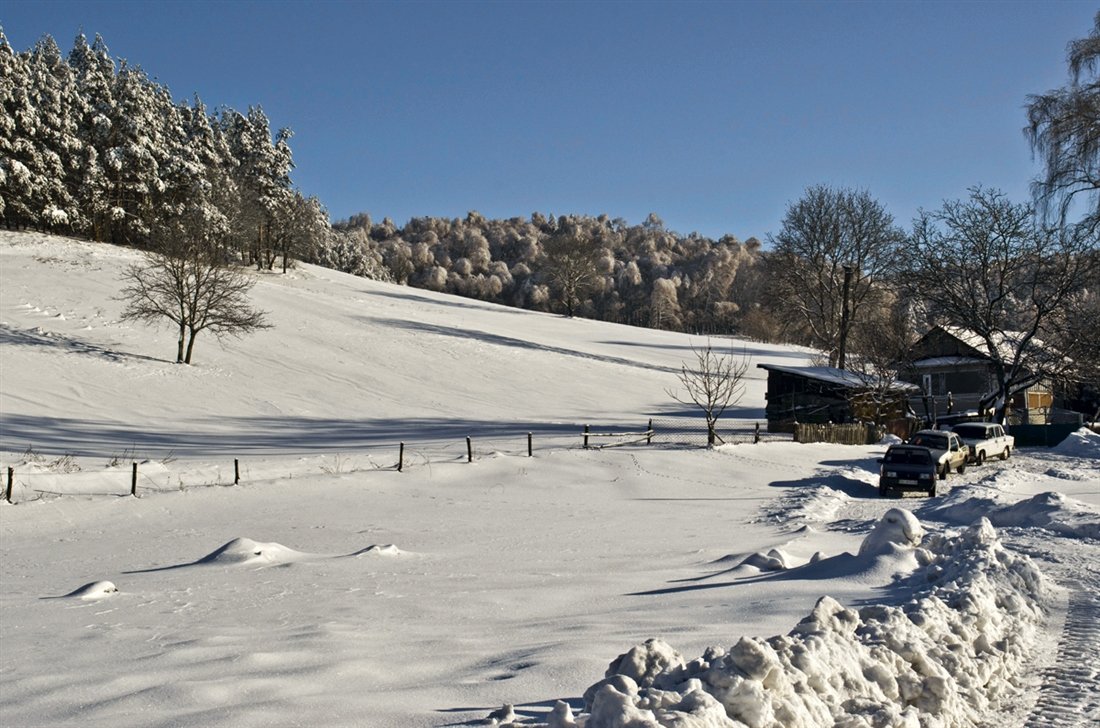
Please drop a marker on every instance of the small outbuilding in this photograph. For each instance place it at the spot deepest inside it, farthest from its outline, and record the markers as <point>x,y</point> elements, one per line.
<point>825,394</point>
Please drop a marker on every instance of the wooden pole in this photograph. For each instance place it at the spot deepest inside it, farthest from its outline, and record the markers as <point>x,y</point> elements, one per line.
<point>649,432</point>
<point>401,457</point>
<point>469,451</point>
<point>530,452</point>
<point>11,481</point>
<point>586,437</point>
<point>756,435</point>
<point>133,481</point>
<point>236,471</point>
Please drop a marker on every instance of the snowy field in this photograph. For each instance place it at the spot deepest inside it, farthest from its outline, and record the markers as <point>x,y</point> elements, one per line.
<point>759,585</point>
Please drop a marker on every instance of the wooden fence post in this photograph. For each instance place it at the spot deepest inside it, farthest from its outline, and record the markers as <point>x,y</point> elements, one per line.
<point>11,480</point>
<point>401,457</point>
<point>530,451</point>
<point>586,437</point>
<point>469,450</point>
<point>756,434</point>
<point>133,481</point>
<point>236,471</point>
<point>649,432</point>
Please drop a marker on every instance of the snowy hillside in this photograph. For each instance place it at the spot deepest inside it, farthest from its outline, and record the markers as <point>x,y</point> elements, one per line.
<point>347,363</point>
<point>759,585</point>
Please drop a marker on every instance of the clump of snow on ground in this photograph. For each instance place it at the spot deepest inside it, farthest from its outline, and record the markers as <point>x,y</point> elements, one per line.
<point>1084,443</point>
<point>804,506</point>
<point>897,529</point>
<point>246,552</point>
<point>944,658</point>
<point>1052,511</point>
<point>93,590</point>
<point>773,560</point>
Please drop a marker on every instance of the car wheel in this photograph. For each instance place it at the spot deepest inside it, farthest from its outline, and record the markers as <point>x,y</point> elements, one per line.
<point>943,472</point>
<point>1004,455</point>
<point>962,468</point>
<point>981,458</point>
<point>883,491</point>
<point>932,491</point>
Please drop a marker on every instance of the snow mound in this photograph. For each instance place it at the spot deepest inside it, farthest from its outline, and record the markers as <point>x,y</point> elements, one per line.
<point>946,657</point>
<point>93,590</point>
<point>1084,443</point>
<point>804,506</point>
<point>1051,511</point>
<point>379,550</point>
<point>246,552</point>
<point>774,560</point>
<point>890,440</point>
<point>897,527</point>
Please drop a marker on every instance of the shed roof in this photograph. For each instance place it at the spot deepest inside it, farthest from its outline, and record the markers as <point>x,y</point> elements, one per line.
<point>841,377</point>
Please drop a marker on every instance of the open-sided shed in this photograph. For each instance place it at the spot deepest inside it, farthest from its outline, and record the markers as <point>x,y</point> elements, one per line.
<point>827,394</point>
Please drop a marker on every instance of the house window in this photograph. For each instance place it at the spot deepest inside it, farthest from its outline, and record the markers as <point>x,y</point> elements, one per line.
<point>1039,400</point>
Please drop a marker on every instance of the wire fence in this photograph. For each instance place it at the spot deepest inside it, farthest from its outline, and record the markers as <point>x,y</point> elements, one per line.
<point>35,476</point>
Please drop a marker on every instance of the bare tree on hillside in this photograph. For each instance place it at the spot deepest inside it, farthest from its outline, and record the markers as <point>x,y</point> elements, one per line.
<point>186,280</point>
<point>716,383</point>
<point>571,269</point>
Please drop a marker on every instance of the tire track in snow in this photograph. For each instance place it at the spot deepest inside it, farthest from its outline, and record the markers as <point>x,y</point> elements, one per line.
<point>1069,694</point>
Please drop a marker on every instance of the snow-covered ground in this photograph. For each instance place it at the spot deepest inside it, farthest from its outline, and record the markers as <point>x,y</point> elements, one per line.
<point>766,584</point>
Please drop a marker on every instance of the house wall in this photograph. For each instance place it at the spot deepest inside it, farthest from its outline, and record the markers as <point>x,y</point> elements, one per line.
<point>792,398</point>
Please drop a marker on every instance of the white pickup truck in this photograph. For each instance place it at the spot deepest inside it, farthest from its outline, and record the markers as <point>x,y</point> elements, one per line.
<point>985,440</point>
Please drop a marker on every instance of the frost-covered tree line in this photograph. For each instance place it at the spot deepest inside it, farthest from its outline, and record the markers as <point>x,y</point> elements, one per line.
<point>596,267</point>
<point>91,146</point>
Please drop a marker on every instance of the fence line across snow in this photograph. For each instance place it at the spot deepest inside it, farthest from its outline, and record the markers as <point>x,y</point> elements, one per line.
<point>152,475</point>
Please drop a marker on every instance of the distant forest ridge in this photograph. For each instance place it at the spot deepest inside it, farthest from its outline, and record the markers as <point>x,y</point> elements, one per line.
<point>93,147</point>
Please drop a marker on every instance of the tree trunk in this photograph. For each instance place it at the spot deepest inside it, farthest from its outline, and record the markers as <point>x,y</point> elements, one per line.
<point>190,346</point>
<point>179,346</point>
<point>845,319</point>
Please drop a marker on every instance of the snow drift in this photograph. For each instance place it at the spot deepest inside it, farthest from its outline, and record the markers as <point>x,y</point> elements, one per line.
<point>943,658</point>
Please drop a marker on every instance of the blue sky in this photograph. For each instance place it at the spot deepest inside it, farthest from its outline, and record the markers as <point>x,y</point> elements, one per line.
<point>714,115</point>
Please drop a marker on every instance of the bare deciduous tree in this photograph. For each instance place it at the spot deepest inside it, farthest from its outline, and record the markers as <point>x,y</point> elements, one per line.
<point>984,265</point>
<point>186,280</point>
<point>835,245</point>
<point>715,383</point>
<point>1064,130</point>
<point>571,269</point>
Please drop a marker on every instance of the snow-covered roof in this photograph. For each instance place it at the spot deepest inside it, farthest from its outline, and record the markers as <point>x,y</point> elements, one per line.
<point>1005,342</point>
<point>842,377</point>
<point>947,361</point>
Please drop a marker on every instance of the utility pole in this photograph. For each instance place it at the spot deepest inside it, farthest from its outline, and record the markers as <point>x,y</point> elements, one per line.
<point>845,316</point>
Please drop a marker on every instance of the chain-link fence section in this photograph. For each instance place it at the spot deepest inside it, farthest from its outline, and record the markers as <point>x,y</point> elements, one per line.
<point>692,432</point>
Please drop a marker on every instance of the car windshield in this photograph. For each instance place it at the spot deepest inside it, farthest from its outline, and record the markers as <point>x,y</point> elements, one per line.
<point>908,457</point>
<point>973,431</point>
<point>933,441</point>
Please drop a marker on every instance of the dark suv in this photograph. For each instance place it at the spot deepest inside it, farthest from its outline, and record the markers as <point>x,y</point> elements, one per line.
<point>907,467</point>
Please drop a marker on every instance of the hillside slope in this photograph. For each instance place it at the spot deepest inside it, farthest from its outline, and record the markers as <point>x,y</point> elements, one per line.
<point>348,363</point>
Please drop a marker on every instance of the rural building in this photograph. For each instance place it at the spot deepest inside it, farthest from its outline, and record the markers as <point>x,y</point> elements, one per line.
<point>826,394</point>
<point>954,373</point>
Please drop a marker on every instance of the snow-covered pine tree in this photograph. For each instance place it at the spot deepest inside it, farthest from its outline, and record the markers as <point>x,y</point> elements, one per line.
<point>53,94</point>
<point>94,72</point>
